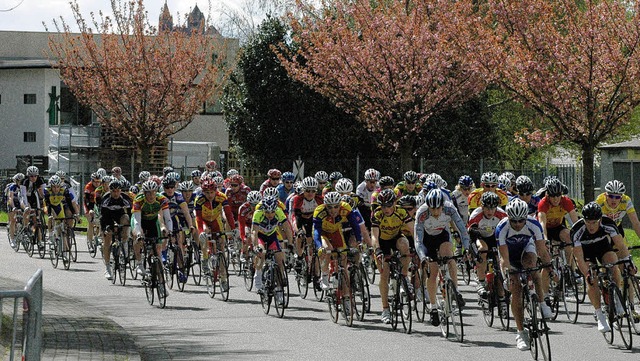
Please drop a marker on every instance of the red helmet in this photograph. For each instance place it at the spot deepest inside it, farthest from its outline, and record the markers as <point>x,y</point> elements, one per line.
<point>237,178</point>
<point>156,179</point>
<point>274,173</point>
<point>210,164</point>
<point>209,184</point>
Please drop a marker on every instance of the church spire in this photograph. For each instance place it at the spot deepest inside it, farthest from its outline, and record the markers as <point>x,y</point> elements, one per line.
<point>165,22</point>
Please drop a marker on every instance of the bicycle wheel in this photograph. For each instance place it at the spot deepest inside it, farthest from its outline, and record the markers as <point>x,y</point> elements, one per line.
<point>504,310</point>
<point>148,282</point>
<point>623,319</point>
<point>210,278</point>
<point>133,263</point>
<point>196,267</point>
<point>170,266</point>
<point>357,291</point>
<point>542,339</point>
<point>465,269</point>
<point>30,241</point>
<point>73,246</point>
<point>15,245</point>
<point>371,268</point>
<point>569,295</point>
<point>454,311</point>
<point>318,292</point>
<point>161,284</point>
<point>302,277</point>
<point>633,303</point>
<point>267,290</point>
<point>555,296</point>
<point>441,297</point>
<point>53,253</point>
<point>609,311</point>
<point>420,299</point>
<point>347,304</point>
<point>487,306</point>
<point>42,250</point>
<point>530,308</point>
<point>180,263</point>
<point>248,273</point>
<point>66,254</point>
<point>279,292</point>
<point>332,302</point>
<point>223,276</point>
<point>122,265</point>
<point>92,244</point>
<point>406,299</point>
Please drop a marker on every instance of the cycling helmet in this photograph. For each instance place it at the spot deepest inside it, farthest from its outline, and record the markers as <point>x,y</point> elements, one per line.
<point>592,211</point>
<point>125,184</point>
<point>214,174</point>
<point>504,183</point>
<point>524,184</point>
<point>188,186</point>
<point>33,170</point>
<point>175,176</point>
<point>465,181</point>
<point>410,176</point>
<point>232,172</point>
<point>510,176</point>
<point>209,184</point>
<point>310,183</point>
<point>419,200</point>
<point>115,184</point>
<point>196,173</point>
<point>332,198</point>
<point>335,176</point>
<point>269,204</point>
<point>168,182</point>
<point>387,197</point>
<point>344,185</point>
<point>254,197</point>
<point>517,209</point>
<point>615,187</point>
<point>116,169</point>
<point>61,174</point>
<point>211,164</point>
<point>288,177</point>
<point>322,176</point>
<point>435,198</point>
<point>156,179</point>
<point>107,179</point>
<point>144,175</point>
<point>271,192</point>
<point>437,179</point>
<point>134,189</point>
<point>407,201</point>
<point>424,178</point>
<point>102,172</point>
<point>297,187</point>
<point>218,180</point>
<point>490,200</point>
<point>236,179</point>
<point>386,181</point>
<point>18,177</point>
<point>55,181</point>
<point>95,176</point>
<point>489,178</point>
<point>167,170</point>
<point>274,173</point>
<point>429,185</point>
<point>349,200</point>
<point>149,186</point>
<point>371,175</point>
<point>554,187</point>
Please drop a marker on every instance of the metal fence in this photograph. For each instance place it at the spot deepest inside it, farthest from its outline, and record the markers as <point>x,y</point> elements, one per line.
<point>26,333</point>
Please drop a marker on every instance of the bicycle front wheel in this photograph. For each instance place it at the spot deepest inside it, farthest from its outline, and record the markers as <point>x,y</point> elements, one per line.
<point>420,295</point>
<point>302,277</point>
<point>196,267</point>
<point>161,284</point>
<point>406,299</point>
<point>182,269</point>
<point>210,278</point>
<point>92,244</point>
<point>53,252</point>
<point>570,295</point>
<point>279,301</point>
<point>248,273</point>
<point>357,292</point>
<point>623,319</point>
<point>66,254</point>
<point>122,265</point>
<point>148,282</point>
<point>42,249</point>
<point>454,311</point>
<point>318,292</point>
<point>633,303</point>
<point>223,276</point>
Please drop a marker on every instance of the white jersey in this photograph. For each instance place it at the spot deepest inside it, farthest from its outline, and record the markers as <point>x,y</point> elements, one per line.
<point>366,194</point>
<point>462,203</point>
<point>505,235</point>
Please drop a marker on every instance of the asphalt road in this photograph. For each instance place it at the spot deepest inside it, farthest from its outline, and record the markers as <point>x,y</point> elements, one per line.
<point>195,327</point>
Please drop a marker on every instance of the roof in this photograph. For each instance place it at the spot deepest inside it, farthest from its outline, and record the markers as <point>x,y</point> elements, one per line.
<point>13,63</point>
<point>633,143</point>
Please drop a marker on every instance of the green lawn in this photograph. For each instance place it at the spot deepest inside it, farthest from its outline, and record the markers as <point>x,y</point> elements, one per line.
<point>81,223</point>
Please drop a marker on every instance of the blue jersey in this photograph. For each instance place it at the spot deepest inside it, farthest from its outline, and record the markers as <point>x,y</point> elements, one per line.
<point>505,235</point>
<point>175,202</point>
<point>283,193</point>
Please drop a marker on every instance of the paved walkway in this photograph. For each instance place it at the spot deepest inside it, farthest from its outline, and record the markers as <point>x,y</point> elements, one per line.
<point>73,330</point>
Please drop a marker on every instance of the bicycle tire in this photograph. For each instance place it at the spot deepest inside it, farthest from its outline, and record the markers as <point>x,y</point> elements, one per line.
<point>210,278</point>
<point>196,267</point>
<point>133,263</point>
<point>542,333</point>
<point>420,296</point>
<point>92,244</point>
<point>267,292</point>
<point>148,282</point>
<point>318,292</point>
<point>371,269</point>
<point>358,293</point>
<point>347,304</point>
<point>30,242</point>
<point>465,270</point>
<point>279,296</point>
<point>74,246</point>
<point>42,252</point>
<point>122,265</point>
<point>503,312</point>
<point>332,302</point>
<point>487,307</point>
<point>66,254</point>
<point>455,312</point>
<point>405,298</point>
<point>302,277</point>
<point>530,308</point>
<point>223,274</point>
<point>179,259</point>
<point>161,287</point>
<point>53,253</point>
<point>248,273</point>
<point>569,295</point>
<point>633,304</point>
<point>608,310</point>
<point>15,245</point>
<point>441,296</point>
<point>623,319</point>
<point>113,263</point>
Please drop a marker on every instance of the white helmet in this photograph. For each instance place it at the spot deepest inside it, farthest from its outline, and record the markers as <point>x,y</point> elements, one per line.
<point>517,209</point>
<point>149,186</point>
<point>310,183</point>
<point>271,192</point>
<point>344,185</point>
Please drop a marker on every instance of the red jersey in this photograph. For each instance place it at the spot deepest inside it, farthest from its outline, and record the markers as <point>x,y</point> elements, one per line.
<point>89,197</point>
<point>237,199</point>
<point>555,215</point>
<point>245,218</point>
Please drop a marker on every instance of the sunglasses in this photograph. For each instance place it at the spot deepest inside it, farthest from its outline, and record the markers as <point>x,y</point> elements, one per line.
<point>490,185</point>
<point>554,195</point>
<point>234,185</point>
<point>288,182</point>
<point>466,188</point>
<point>334,206</point>
<point>519,221</point>
<point>33,176</point>
<point>275,178</point>
<point>169,187</point>
<point>310,191</point>
<point>614,196</point>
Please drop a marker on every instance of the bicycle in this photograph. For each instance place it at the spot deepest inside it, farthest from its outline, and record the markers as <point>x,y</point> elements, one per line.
<point>400,294</point>
<point>96,242</point>
<point>303,275</point>
<point>565,292</point>
<point>176,263</point>
<point>273,285</point>
<point>233,248</point>
<point>339,296</point>
<point>494,282</point>
<point>218,272</point>
<point>632,295</point>
<point>248,270</point>
<point>37,223</point>
<point>119,254</point>
<point>153,280</point>
<point>368,261</point>
<point>449,309</point>
<point>316,276</point>
<point>60,244</point>
<point>418,281</point>
<point>612,305</point>
<point>534,322</point>
<point>20,237</point>
<point>359,285</point>
<point>193,258</point>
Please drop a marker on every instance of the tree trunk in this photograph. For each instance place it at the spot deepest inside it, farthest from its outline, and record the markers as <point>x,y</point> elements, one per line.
<point>406,155</point>
<point>145,156</point>
<point>587,171</point>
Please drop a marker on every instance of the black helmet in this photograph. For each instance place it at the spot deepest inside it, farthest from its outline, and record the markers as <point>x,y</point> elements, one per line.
<point>490,200</point>
<point>592,211</point>
<point>387,197</point>
<point>407,201</point>
<point>386,181</point>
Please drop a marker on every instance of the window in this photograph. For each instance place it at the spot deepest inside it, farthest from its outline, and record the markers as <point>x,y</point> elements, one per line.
<point>29,98</point>
<point>29,137</point>
<point>0,98</point>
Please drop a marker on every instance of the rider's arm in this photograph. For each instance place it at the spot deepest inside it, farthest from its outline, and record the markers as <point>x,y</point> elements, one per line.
<point>165,215</point>
<point>354,220</point>
<point>317,231</point>
<point>457,220</point>
<point>542,218</point>
<point>23,196</point>
<point>185,211</point>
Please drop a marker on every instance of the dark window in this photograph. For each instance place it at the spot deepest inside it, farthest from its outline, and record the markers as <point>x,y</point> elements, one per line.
<point>30,137</point>
<point>0,98</point>
<point>29,98</point>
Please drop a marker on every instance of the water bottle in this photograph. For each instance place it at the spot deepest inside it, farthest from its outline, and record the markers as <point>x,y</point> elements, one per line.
<point>489,278</point>
<point>392,286</point>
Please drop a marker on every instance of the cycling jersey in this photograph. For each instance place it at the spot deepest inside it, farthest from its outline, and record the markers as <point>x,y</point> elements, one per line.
<point>283,193</point>
<point>461,202</point>
<point>485,226</point>
<point>401,189</point>
<point>390,226</point>
<point>476,195</point>
<point>555,214</point>
<point>57,201</point>
<point>245,219</point>
<point>89,197</point>
<point>595,245</point>
<point>266,184</point>
<point>303,211</point>
<point>29,192</point>
<point>266,226</point>
<point>426,224</point>
<point>325,225</point>
<point>13,195</point>
<point>149,211</point>
<point>175,209</point>
<point>112,209</point>
<point>210,211</point>
<point>365,193</point>
<point>520,241</point>
<point>236,199</point>
<point>616,214</point>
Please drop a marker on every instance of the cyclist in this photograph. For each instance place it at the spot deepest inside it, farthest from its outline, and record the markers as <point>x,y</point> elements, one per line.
<point>150,218</point>
<point>616,204</point>
<point>142,177</point>
<point>210,166</point>
<point>322,177</point>
<point>345,187</point>
<point>524,187</point>
<point>286,187</point>
<point>594,238</point>
<point>511,189</point>
<point>273,181</point>
<point>409,184</point>
<point>230,173</point>
<point>115,208</point>
<point>236,193</point>
<point>195,177</point>
<point>116,172</point>
<point>268,219</point>
<point>504,183</point>
<point>460,196</point>
<point>519,236</point>
<point>59,203</point>
<point>488,183</point>
<point>328,219</point>
<point>303,207</point>
<point>387,225</point>
<point>433,240</point>
<point>482,226</point>
<point>13,203</point>
<point>89,202</point>
<point>32,192</point>
<point>334,177</point>
<point>385,182</point>
<point>365,191</point>
<point>245,219</point>
<point>180,215</point>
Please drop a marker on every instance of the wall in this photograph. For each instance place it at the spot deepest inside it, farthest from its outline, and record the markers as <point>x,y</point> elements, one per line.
<point>206,128</point>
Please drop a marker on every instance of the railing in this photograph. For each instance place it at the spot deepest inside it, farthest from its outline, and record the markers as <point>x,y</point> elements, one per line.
<point>32,318</point>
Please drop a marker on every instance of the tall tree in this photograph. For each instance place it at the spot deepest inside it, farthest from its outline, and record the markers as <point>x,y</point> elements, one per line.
<point>577,63</point>
<point>274,119</point>
<point>390,63</point>
<point>142,84</point>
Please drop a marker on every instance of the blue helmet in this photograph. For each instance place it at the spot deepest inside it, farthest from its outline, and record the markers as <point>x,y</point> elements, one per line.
<point>465,181</point>
<point>435,198</point>
<point>288,176</point>
<point>270,204</point>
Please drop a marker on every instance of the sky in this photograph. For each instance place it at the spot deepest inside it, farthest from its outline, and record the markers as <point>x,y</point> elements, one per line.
<point>28,15</point>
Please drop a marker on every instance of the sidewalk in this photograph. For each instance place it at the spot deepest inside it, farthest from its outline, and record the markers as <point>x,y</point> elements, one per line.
<point>72,330</point>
